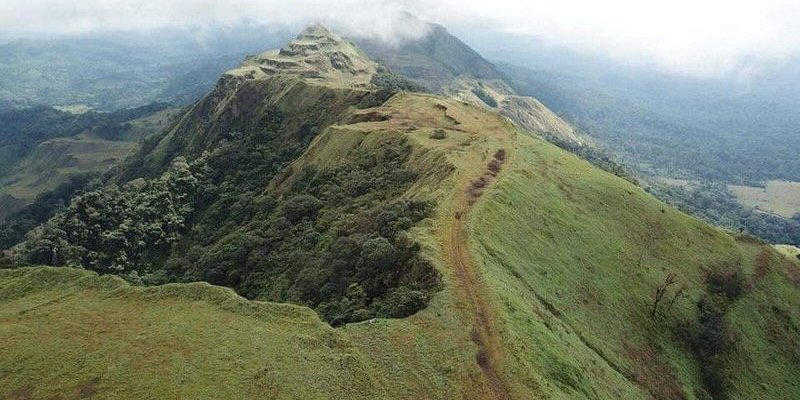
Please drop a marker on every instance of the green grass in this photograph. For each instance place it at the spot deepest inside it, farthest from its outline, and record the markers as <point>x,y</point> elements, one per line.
<point>73,328</point>
<point>64,329</point>
<point>557,242</point>
<point>560,241</point>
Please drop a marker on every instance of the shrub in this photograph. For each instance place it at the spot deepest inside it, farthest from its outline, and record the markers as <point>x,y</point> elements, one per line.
<point>386,79</point>
<point>377,256</point>
<point>727,280</point>
<point>712,343</point>
<point>401,302</point>
<point>439,134</point>
<point>485,97</point>
<point>297,208</point>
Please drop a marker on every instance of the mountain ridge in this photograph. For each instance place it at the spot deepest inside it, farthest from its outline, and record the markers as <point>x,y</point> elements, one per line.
<point>458,255</point>
<point>444,64</point>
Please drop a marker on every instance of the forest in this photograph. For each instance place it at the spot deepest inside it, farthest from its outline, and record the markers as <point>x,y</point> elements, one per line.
<point>332,238</point>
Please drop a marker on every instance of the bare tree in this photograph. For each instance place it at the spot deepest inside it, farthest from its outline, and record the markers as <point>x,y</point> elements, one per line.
<point>679,294</point>
<point>661,291</point>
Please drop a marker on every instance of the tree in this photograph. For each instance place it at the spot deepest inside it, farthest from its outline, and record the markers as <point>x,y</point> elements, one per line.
<point>301,207</point>
<point>661,292</point>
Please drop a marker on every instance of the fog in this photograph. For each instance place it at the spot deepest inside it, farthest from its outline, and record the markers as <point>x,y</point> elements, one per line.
<point>704,38</point>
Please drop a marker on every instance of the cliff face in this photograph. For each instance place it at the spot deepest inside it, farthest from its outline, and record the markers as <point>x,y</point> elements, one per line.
<point>317,55</point>
<point>297,90</point>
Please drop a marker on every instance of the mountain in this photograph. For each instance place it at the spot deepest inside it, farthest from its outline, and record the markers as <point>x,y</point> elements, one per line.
<point>733,129</point>
<point>444,64</point>
<point>433,60</point>
<point>306,231</point>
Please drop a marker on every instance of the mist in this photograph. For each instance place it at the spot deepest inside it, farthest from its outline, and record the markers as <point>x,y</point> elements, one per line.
<point>709,38</point>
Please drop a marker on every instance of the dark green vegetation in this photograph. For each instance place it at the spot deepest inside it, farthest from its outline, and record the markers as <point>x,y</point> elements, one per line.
<point>42,147</point>
<point>485,97</point>
<point>714,203</point>
<point>388,80</point>
<point>673,126</point>
<point>21,130</point>
<point>333,239</point>
<point>712,339</point>
<point>14,227</point>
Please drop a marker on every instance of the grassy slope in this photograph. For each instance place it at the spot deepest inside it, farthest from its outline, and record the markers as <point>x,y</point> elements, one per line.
<point>559,242</point>
<point>556,242</point>
<point>79,332</point>
<point>427,355</point>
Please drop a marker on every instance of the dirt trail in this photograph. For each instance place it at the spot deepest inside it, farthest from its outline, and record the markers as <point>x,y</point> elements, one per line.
<point>457,250</point>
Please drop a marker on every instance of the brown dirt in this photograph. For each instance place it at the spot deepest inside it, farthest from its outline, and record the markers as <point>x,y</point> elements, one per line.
<point>457,250</point>
<point>761,266</point>
<point>88,389</point>
<point>475,189</point>
<point>23,393</point>
<point>654,372</point>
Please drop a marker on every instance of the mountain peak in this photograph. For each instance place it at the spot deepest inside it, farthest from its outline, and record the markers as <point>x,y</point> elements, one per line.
<point>316,54</point>
<point>316,30</point>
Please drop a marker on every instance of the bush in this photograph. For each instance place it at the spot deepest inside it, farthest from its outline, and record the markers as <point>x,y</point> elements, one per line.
<point>439,134</point>
<point>297,208</point>
<point>712,343</point>
<point>485,97</point>
<point>388,80</point>
<point>377,254</point>
<point>727,280</point>
<point>401,302</point>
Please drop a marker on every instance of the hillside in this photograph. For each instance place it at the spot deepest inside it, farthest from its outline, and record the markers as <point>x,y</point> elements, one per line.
<point>456,254</point>
<point>444,64</point>
<point>43,147</point>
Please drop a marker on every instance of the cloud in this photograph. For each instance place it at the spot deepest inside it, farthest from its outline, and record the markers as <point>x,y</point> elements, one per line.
<point>697,37</point>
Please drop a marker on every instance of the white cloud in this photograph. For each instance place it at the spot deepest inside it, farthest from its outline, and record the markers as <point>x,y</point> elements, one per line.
<point>701,37</point>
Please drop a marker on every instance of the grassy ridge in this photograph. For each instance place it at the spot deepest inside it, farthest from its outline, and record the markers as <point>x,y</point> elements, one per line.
<point>428,355</point>
<point>568,255</point>
<point>561,244</point>
<point>193,340</point>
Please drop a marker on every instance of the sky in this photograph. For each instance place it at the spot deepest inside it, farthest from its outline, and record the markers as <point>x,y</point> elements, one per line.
<point>691,37</point>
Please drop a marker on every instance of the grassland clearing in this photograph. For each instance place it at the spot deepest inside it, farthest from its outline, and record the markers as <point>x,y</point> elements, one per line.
<point>777,197</point>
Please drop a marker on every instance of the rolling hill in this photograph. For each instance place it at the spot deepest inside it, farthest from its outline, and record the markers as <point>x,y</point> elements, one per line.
<point>384,244</point>
<point>43,147</point>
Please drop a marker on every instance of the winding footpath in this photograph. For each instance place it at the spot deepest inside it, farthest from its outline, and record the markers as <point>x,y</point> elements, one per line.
<point>489,346</point>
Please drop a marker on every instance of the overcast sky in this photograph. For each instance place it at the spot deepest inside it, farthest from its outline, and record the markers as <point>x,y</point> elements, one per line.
<point>696,37</point>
